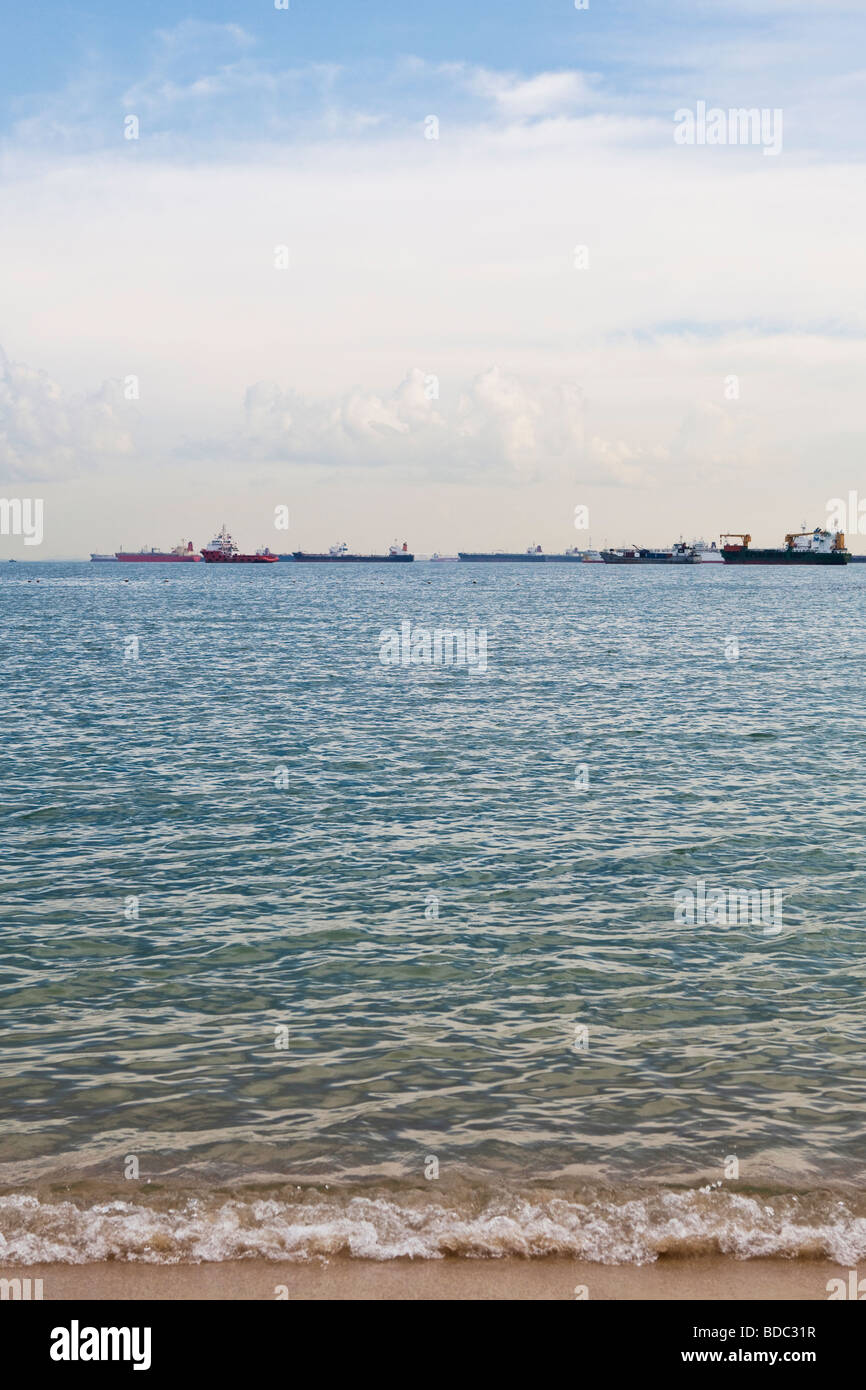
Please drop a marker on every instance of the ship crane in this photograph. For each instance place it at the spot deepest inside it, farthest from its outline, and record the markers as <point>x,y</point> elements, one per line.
<point>736,536</point>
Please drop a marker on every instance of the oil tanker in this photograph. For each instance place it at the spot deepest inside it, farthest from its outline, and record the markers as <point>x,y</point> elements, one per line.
<point>339,554</point>
<point>182,552</point>
<point>533,554</point>
<point>816,547</point>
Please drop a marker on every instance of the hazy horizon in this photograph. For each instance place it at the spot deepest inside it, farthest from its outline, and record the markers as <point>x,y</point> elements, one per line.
<point>440,279</point>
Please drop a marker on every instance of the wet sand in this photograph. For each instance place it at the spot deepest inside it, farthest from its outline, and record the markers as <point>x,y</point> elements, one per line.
<point>710,1278</point>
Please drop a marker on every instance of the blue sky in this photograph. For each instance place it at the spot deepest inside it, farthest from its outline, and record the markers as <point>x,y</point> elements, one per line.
<point>434,355</point>
<point>45,45</point>
<point>641,53</point>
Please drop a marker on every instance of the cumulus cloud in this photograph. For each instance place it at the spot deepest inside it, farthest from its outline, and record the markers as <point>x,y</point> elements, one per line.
<point>359,426</point>
<point>622,463</point>
<point>498,425</point>
<point>534,429</point>
<point>46,433</point>
<point>497,421</point>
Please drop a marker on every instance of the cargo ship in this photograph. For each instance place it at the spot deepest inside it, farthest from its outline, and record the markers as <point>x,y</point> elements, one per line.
<point>182,552</point>
<point>223,551</point>
<point>339,554</point>
<point>533,554</point>
<point>637,555</point>
<point>816,547</point>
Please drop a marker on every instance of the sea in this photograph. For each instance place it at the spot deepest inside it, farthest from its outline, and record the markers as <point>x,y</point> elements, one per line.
<point>432,910</point>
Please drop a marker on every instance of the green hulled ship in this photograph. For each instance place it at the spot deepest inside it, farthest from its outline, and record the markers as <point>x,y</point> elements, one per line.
<point>816,547</point>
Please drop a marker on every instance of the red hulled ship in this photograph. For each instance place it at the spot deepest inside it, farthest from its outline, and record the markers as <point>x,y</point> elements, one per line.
<point>223,551</point>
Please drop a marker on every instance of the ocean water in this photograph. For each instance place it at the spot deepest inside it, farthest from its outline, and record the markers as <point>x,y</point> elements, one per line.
<point>302,953</point>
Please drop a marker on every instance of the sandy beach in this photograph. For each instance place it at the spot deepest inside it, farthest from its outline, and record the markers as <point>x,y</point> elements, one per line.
<point>708,1278</point>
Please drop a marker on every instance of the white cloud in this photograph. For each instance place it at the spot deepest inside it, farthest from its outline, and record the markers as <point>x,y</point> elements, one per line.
<point>532,429</point>
<point>190,36</point>
<point>494,422</point>
<point>47,433</point>
<point>546,94</point>
<point>216,92</point>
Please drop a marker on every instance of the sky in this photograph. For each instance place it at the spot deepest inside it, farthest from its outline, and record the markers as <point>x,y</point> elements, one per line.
<point>440,273</point>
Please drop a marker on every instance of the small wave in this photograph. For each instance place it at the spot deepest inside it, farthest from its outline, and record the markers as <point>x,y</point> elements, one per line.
<point>606,1229</point>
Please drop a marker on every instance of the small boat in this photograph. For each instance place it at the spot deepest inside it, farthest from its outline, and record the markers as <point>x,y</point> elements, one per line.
<point>707,554</point>
<point>696,553</point>
<point>683,554</point>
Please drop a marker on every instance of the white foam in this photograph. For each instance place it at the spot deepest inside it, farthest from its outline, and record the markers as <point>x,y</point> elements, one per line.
<point>604,1229</point>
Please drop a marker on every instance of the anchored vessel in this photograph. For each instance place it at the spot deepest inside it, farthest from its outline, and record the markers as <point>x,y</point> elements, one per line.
<point>816,547</point>
<point>683,554</point>
<point>707,554</point>
<point>533,554</point>
<point>637,555</point>
<point>340,554</point>
<point>223,551</point>
<point>182,552</point>
<point>696,553</point>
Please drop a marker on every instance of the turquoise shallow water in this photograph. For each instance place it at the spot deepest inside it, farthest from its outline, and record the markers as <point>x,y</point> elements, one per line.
<point>311,906</point>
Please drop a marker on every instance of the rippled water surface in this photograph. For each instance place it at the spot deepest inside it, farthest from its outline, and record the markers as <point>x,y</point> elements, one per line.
<point>313,906</point>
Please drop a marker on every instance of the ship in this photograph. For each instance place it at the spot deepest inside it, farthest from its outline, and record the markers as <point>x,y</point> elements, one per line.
<point>340,554</point>
<point>637,555</point>
<point>223,551</point>
<point>816,547</point>
<point>437,559</point>
<point>183,552</point>
<point>695,553</point>
<point>683,554</point>
<point>707,554</point>
<point>533,554</point>
<point>94,556</point>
